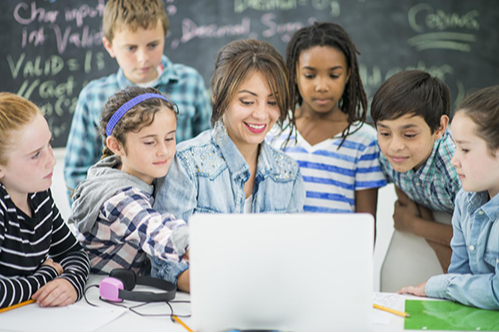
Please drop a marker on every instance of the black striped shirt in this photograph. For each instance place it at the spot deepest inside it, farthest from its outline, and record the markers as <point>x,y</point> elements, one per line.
<point>26,242</point>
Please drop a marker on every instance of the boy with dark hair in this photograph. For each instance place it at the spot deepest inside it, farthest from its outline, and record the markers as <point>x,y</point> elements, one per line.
<point>134,34</point>
<point>411,113</point>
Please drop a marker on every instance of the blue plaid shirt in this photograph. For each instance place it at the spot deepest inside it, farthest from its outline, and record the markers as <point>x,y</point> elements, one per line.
<point>182,84</point>
<point>128,231</point>
<point>435,184</point>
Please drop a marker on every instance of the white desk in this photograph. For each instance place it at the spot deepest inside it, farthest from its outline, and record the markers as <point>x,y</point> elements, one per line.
<point>130,321</point>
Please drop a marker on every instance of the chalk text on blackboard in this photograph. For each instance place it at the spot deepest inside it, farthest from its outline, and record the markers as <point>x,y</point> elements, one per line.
<point>423,17</point>
<point>191,30</point>
<point>333,6</point>
<point>437,19</point>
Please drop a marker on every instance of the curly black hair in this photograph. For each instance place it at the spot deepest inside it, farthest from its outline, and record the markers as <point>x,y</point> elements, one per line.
<point>354,100</point>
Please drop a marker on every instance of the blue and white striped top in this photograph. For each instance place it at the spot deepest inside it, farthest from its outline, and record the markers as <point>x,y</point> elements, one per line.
<point>332,175</point>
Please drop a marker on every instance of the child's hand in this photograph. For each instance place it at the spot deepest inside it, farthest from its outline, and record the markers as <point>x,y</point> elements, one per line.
<point>404,215</point>
<point>426,214</point>
<point>184,281</point>
<point>401,196</point>
<point>58,292</point>
<point>186,255</point>
<point>418,290</point>
<point>54,265</point>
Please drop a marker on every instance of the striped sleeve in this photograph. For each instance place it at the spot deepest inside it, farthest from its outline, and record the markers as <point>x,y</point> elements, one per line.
<point>14,290</point>
<point>17,289</point>
<point>369,174</point>
<point>66,250</point>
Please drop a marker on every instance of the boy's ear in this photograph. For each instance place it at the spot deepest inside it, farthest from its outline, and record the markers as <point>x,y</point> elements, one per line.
<point>444,121</point>
<point>116,147</point>
<point>1,172</point>
<point>108,46</point>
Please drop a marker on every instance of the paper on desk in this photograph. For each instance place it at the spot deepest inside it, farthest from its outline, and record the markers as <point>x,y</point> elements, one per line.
<point>71,318</point>
<point>389,300</point>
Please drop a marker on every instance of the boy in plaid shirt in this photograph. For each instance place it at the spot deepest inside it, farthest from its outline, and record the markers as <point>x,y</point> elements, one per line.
<point>411,113</point>
<point>134,34</point>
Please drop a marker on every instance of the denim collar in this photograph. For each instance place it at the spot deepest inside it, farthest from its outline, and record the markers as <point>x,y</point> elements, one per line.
<point>235,161</point>
<point>169,74</point>
<point>480,200</point>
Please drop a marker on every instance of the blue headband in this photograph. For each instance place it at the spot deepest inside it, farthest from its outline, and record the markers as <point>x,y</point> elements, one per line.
<point>127,106</point>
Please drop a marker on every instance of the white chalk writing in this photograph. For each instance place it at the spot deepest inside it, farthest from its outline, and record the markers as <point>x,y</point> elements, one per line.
<point>191,30</point>
<point>424,15</point>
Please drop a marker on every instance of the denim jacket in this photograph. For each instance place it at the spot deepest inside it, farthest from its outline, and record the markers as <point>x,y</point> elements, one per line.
<point>209,173</point>
<point>473,277</point>
<point>208,176</point>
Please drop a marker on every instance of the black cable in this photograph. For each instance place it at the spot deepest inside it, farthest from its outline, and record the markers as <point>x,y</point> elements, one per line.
<point>85,295</point>
<point>181,301</point>
<point>133,308</point>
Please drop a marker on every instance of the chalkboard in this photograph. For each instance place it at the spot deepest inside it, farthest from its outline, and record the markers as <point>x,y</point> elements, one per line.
<point>51,49</point>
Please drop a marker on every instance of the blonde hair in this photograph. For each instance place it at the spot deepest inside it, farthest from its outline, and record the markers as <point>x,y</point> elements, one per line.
<point>132,14</point>
<point>15,112</point>
<point>236,62</point>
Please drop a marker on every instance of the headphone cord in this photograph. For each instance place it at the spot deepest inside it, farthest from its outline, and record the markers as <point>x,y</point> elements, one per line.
<point>85,295</point>
<point>133,308</point>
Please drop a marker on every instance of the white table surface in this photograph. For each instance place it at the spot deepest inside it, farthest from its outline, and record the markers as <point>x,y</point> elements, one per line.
<point>132,322</point>
<point>129,321</point>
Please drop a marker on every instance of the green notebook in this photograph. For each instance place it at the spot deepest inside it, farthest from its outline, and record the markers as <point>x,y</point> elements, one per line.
<point>448,316</point>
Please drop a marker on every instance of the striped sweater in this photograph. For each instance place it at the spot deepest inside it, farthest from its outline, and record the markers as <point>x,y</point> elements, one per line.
<point>331,174</point>
<point>26,242</point>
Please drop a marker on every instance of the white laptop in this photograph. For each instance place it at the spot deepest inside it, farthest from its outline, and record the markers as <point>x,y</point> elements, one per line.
<point>286,272</point>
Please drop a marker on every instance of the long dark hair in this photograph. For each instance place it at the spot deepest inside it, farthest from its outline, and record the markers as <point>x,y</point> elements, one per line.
<point>241,58</point>
<point>353,102</point>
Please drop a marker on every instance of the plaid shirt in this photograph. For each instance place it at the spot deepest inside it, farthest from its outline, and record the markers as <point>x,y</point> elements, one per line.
<point>128,230</point>
<point>182,84</point>
<point>435,184</point>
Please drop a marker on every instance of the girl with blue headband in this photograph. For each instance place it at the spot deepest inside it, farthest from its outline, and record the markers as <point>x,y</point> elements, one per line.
<point>112,208</point>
